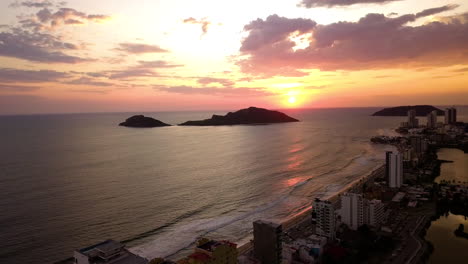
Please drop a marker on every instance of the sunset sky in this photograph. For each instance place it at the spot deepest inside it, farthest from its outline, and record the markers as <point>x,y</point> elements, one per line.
<point>151,55</point>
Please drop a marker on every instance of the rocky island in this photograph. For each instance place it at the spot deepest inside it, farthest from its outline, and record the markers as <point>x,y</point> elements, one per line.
<point>421,110</point>
<point>251,115</point>
<point>142,121</point>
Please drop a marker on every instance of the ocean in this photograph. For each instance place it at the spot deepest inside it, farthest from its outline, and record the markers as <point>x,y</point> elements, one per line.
<point>69,181</point>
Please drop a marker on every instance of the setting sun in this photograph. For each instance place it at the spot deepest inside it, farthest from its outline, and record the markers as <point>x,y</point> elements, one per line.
<point>292,100</point>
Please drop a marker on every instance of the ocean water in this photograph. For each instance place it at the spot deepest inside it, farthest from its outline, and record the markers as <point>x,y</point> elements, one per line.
<point>69,181</point>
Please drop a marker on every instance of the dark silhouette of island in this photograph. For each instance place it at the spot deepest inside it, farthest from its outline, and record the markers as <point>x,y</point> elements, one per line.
<point>251,115</point>
<point>421,110</point>
<point>142,121</point>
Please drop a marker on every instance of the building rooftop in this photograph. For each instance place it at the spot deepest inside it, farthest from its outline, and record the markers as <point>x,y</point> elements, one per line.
<point>199,256</point>
<point>267,223</point>
<point>211,245</point>
<point>110,251</point>
<point>105,246</point>
<point>398,197</point>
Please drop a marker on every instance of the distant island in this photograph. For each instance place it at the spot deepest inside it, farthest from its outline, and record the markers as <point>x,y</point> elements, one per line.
<point>142,121</point>
<point>251,115</point>
<point>421,110</point>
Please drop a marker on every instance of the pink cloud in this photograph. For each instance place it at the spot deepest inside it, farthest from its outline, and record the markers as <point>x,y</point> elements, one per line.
<point>375,41</point>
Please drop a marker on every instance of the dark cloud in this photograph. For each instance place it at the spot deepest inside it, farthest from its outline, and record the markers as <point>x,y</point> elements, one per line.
<point>137,48</point>
<point>37,47</point>
<point>225,91</point>
<point>210,80</point>
<point>8,75</point>
<point>374,41</point>
<point>17,88</point>
<point>203,22</point>
<point>331,3</point>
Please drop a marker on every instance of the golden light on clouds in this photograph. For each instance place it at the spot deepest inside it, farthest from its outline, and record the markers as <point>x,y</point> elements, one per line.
<point>277,54</point>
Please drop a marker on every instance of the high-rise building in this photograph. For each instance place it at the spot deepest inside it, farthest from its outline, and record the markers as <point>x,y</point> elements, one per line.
<point>412,120</point>
<point>432,119</point>
<point>375,214</point>
<point>394,169</point>
<point>268,242</point>
<point>357,211</point>
<point>418,145</point>
<point>450,115</point>
<point>352,210</point>
<point>323,215</point>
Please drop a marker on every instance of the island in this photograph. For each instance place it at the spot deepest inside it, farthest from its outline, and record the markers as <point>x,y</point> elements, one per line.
<point>248,116</point>
<point>421,110</point>
<point>142,121</point>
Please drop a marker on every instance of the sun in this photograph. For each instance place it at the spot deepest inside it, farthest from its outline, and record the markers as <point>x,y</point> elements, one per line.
<point>292,100</point>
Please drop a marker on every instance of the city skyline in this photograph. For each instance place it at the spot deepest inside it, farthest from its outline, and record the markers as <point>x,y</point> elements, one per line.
<point>113,56</point>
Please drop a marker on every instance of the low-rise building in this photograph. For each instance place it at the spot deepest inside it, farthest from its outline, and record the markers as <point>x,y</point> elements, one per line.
<point>213,252</point>
<point>107,252</point>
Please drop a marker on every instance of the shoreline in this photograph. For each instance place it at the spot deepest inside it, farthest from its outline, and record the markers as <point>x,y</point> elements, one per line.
<point>302,216</point>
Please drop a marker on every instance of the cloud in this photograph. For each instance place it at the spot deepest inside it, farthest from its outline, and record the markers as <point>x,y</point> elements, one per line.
<point>35,4</point>
<point>37,47</point>
<point>461,70</point>
<point>203,22</point>
<point>88,81</point>
<point>374,41</point>
<point>210,80</point>
<point>142,69</point>
<point>137,48</point>
<point>8,75</point>
<point>320,87</point>
<point>17,88</point>
<point>157,64</point>
<point>331,3</point>
<point>272,30</point>
<point>64,15</point>
<point>90,91</point>
<point>131,73</point>
<point>225,91</point>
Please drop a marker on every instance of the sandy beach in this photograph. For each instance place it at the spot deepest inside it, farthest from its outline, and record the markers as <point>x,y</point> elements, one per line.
<point>304,215</point>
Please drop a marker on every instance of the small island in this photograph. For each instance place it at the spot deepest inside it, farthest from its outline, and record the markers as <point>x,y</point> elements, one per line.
<point>248,116</point>
<point>142,121</point>
<point>421,110</point>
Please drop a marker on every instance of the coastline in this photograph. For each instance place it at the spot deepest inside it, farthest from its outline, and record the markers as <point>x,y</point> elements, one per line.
<point>304,215</point>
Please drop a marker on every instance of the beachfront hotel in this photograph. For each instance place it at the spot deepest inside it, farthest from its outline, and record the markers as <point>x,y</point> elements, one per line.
<point>394,169</point>
<point>268,242</point>
<point>323,215</point>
